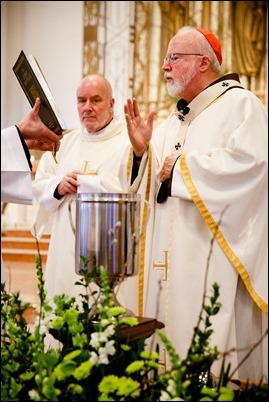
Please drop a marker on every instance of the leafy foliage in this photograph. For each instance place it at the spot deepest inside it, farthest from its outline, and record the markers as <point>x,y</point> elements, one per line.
<point>94,362</point>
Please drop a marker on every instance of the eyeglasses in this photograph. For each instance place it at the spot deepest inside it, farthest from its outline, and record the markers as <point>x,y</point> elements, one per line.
<point>173,57</point>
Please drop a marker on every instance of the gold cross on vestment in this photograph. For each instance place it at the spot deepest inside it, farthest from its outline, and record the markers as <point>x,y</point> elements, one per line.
<point>85,166</point>
<point>162,265</point>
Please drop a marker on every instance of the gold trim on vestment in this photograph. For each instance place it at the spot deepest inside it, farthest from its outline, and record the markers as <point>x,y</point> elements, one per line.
<point>235,261</point>
<point>129,165</point>
<point>141,273</point>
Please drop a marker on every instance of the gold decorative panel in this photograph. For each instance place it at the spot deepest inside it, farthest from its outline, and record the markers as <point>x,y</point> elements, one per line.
<point>241,27</point>
<point>90,43</point>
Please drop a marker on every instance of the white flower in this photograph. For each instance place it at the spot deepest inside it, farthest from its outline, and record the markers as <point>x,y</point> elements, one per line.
<point>171,390</point>
<point>94,342</point>
<point>109,347</point>
<point>97,338</point>
<point>94,358</point>
<point>164,396</point>
<point>104,322</point>
<point>105,351</point>
<point>103,357</point>
<point>110,330</point>
<point>44,324</point>
<point>34,395</point>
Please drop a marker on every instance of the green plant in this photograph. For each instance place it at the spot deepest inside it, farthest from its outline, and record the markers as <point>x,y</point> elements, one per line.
<point>94,362</point>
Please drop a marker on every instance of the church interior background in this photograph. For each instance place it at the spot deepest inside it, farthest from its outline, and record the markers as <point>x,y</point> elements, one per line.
<point>127,41</point>
<point>109,36</point>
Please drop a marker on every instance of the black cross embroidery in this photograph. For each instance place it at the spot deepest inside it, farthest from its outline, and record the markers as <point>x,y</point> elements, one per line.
<point>185,110</point>
<point>178,145</point>
<point>225,84</point>
<point>182,118</point>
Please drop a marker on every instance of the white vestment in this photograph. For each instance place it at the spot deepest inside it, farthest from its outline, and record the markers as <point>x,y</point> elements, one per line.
<point>105,152</point>
<point>16,186</point>
<point>219,189</point>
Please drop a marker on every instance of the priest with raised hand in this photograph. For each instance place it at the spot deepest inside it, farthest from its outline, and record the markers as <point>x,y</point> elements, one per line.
<point>204,171</point>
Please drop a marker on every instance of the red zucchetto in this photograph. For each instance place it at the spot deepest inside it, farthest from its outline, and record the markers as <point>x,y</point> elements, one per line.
<point>213,41</point>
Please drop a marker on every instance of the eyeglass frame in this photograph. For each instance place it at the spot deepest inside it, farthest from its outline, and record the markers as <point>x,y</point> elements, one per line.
<point>167,59</point>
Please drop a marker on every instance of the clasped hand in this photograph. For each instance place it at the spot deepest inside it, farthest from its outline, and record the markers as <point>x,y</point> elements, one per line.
<point>69,183</point>
<point>167,167</point>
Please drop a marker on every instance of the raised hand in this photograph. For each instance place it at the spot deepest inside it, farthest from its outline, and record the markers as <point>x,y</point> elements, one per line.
<point>140,132</point>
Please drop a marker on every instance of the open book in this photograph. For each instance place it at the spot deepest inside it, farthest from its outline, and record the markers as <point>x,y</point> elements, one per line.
<point>35,86</point>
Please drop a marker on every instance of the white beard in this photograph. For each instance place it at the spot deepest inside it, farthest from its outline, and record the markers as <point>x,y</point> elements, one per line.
<point>175,88</point>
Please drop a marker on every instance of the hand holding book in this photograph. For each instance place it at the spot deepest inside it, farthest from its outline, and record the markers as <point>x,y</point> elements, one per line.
<point>35,86</point>
<point>35,133</point>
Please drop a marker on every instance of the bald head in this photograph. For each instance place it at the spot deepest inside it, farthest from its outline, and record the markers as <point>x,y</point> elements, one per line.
<point>98,81</point>
<point>95,102</point>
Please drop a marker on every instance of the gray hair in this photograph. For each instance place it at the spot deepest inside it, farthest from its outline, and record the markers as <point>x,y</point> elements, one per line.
<point>202,46</point>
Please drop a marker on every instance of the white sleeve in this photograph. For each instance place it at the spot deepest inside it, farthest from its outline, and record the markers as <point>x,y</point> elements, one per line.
<point>16,183</point>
